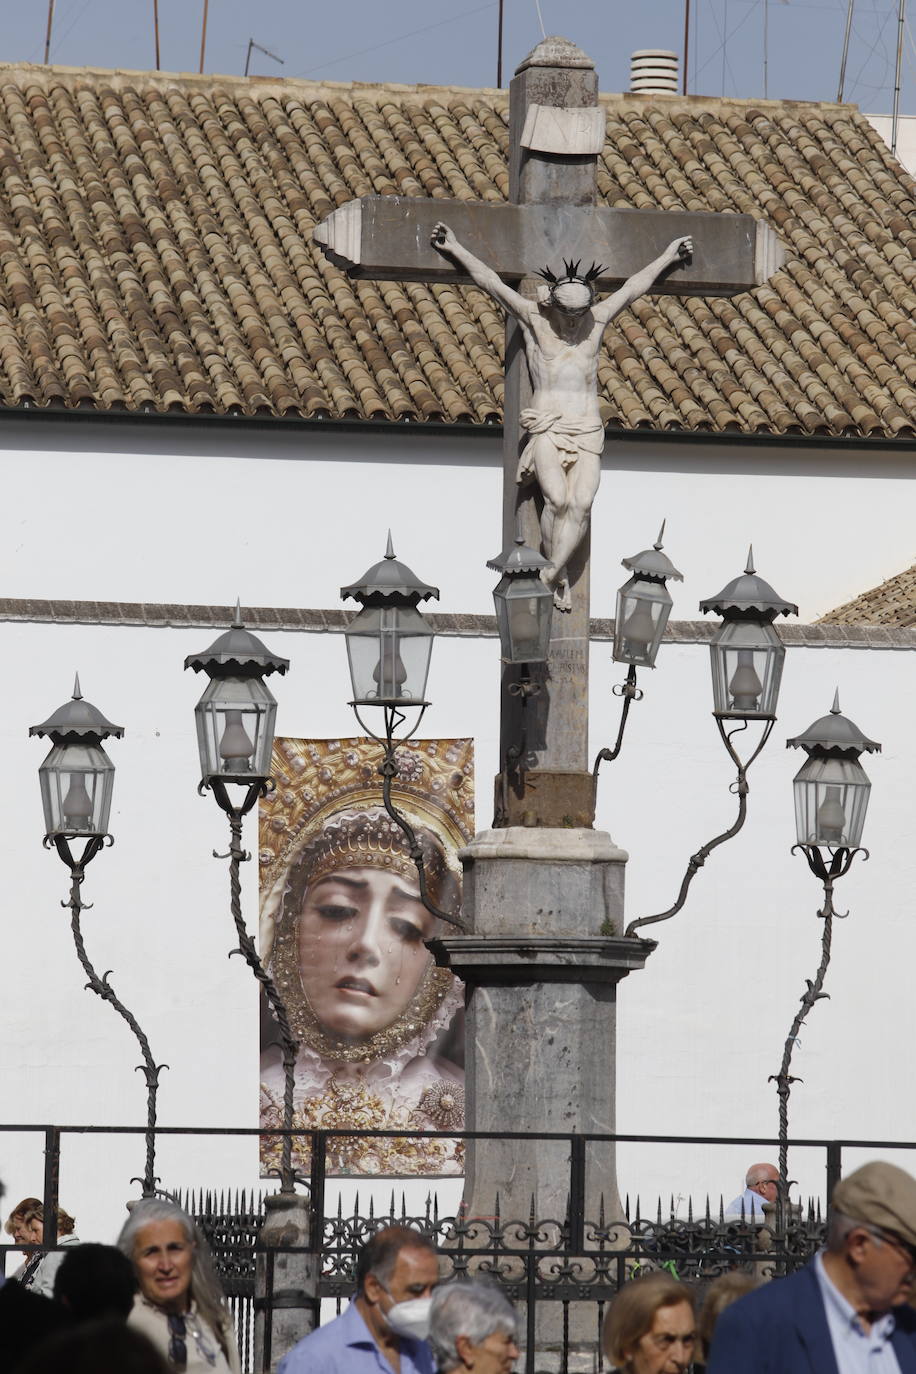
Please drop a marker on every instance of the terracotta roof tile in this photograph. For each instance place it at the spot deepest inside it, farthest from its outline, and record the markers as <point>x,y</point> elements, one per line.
<point>892,604</point>
<point>156,252</point>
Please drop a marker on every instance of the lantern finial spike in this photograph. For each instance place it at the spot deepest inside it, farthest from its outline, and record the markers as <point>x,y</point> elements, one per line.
<point>835,708</point>
<point>661,535</point>
<point>389,551</point>
<point>519,532</point>
<point>237,618</point>
<point>77,694</point>
<point>750,560</point>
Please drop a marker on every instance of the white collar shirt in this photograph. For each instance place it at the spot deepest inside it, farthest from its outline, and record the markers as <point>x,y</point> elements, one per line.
<point>857,1351</point>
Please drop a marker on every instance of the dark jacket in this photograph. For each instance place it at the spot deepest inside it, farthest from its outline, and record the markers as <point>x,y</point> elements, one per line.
<point>782,1329</point>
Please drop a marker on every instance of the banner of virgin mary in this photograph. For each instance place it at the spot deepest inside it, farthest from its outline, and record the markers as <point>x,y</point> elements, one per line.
<point>342,932</point>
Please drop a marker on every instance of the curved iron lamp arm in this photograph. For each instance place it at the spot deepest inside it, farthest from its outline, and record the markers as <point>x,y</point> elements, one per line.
<point>102,988</point>
<point>238,855</point>
<point>840,862</point>
<point>630,693</point>
<point>697,860</point>
<point>388,771</point>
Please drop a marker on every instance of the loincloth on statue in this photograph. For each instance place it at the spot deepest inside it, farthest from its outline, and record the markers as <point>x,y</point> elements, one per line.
<point>570,439</point>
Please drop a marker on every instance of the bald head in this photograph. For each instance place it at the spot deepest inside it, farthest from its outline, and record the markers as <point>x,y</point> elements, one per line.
<point>763,1179</point>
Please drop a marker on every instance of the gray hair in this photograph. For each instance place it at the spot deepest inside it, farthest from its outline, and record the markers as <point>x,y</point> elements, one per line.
<point>839,1225</point>
<point>206,1290</point>
<point>473,1309</point>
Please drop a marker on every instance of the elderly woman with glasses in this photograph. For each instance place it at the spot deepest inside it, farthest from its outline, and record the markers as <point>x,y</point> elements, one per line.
<point>650,1327</point>
<point>472,1327</point>
<point>180,1305</point>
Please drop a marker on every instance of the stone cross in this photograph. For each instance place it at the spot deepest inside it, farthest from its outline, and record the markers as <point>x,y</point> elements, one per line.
<point>556,134</point>
<point>542,949</point>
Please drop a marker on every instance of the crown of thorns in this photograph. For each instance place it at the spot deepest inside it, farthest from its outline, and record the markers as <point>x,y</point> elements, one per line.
<point>571,273</point>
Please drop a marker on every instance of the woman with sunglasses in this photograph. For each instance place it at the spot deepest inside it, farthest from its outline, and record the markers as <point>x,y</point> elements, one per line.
<point>180,1305</point>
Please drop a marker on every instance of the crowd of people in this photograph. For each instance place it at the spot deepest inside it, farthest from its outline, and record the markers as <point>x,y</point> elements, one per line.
<point>153,1304</point>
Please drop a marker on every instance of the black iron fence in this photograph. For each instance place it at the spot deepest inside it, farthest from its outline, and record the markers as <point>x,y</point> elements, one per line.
<point>561,1272</point>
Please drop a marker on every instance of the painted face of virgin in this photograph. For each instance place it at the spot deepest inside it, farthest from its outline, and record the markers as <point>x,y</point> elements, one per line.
<point>361,951</point>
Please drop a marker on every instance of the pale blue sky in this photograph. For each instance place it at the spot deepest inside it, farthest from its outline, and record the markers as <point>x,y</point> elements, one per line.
<point>454,43</point>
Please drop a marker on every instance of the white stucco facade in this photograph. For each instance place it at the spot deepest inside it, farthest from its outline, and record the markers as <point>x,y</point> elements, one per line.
<point>283,517</point>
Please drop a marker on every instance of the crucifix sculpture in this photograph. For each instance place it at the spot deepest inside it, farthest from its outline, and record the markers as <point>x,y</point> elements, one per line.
<point>542,948</point>
<point>556,136</point>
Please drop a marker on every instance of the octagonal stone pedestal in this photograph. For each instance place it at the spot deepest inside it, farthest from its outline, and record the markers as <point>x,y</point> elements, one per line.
<point>541,958</point>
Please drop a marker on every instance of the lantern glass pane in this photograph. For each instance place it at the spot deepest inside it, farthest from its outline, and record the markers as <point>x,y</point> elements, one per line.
<point>235,729</point>
<point>746,658</point>
<point>76,781</point>
<point>389,648</point>
<point>831,798</point>
<point>643,608</point>
<point>524,607</point>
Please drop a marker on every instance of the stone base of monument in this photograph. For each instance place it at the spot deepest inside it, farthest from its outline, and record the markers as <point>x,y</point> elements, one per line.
<point>541,959</point>
<point>286,1285</point>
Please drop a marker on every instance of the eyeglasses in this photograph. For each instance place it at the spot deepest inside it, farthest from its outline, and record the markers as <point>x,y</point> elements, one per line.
<point>178,1346</point>
<point>902,1246</point>
<point>765,1183</point>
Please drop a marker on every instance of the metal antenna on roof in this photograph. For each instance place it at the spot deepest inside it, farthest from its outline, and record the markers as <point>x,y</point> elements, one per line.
<point>272,55</point>
<point>537,6</point>
<point>842,82</point>
<point>203,35</point>
<point>901,24</point>
<point>48,33</point>
<point>156,30</point>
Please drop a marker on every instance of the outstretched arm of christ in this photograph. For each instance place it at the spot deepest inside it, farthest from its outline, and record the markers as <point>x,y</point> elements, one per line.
<point>679,250</point>
<point>444,241</point>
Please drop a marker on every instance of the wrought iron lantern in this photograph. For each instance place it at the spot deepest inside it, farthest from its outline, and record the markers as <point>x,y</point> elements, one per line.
<point>643,606</point>
<point>523,604</point>
<point>746,652</point>
<point>389,644</point>
<point>831,787</point>
<point>77,777</point>
<point>237,712</point>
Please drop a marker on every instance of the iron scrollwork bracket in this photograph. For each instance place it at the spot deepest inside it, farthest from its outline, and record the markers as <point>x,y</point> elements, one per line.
<point>630,693</point>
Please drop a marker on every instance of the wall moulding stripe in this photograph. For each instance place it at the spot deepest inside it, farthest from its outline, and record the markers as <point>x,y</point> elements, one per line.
<point>159,616</point>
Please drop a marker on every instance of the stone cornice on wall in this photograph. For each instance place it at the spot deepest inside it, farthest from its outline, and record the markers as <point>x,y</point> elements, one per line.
<point>171,615</point>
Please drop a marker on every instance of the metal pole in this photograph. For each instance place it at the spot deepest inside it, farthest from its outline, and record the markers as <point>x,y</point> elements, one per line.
<point>499,46</point>
<point>842,82</point>
<point>901,22</point>
<point>156,29</point>
<point>686,45</point>
<point>102,988</point>
<point>766,50</point>
<point>203,35</point>
<point>51,1185</point>
<point>48,33</point>
<point>247,948</point>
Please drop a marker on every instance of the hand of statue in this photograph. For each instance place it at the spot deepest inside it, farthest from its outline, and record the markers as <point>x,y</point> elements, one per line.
<point>679,250</point>
<point>442,238</point>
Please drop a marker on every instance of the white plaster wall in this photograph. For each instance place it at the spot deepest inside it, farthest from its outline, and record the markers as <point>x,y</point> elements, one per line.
<point>285,517</point>
<point>199,519</point>
<point>906,137</point>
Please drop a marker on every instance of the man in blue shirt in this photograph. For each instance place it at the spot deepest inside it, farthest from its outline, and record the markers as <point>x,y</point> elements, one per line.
<point>847,1312</point>
<point>397,1267</point>
<point>761,1184</point>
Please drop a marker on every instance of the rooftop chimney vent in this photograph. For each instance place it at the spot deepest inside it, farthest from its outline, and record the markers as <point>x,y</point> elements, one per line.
<point>653,71</point>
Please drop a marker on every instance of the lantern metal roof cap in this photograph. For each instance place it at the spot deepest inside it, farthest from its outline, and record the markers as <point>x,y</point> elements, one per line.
<point>77,720</point>
<point>748,592</point>
<point>387,580</point>
<point>518,558</point>
<point>236,650</point>
<point>652,562</point>
<point>834,734</point>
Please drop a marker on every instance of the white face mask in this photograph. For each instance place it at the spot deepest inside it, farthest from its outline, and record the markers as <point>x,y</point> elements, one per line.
<point>410,1318</point>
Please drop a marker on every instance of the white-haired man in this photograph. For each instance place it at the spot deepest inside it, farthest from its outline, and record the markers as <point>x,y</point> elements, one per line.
<point>761,1184</point>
